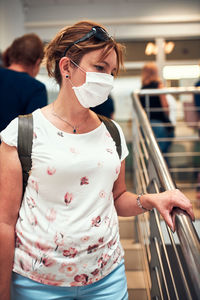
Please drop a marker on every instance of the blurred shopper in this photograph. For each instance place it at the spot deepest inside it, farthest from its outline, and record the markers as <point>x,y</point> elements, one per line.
<point>20,92</point>
<point>197,104</point>
<point>197,98</point>
<point>151,80</point>
<point>105,109</point>
<point>66,226</point>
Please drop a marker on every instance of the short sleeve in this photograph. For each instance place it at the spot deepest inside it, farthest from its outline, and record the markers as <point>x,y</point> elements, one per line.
<point>124,147</point>
<point>10,134</point>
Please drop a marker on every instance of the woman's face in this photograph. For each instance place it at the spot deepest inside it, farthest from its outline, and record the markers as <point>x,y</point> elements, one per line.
<point>91,62</point>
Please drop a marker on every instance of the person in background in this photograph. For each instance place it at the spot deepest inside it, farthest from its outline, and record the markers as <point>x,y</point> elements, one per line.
<point>151,80</point>
<point>197,98</point>
<point>197,104</point>
<point>61,241</point>
<point>106,109</point>
<point>1,62</point>
<point>20,92</point>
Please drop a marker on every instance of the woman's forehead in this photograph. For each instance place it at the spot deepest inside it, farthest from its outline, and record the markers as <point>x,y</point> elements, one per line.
<point>97,55</point>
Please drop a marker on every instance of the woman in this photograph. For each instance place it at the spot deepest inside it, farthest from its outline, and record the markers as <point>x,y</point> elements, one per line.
<point>67,240</point>
<point>21,93</point>
<point>151,80</point>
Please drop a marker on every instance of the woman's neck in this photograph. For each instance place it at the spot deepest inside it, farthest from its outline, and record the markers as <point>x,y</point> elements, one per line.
<point>68,108</point>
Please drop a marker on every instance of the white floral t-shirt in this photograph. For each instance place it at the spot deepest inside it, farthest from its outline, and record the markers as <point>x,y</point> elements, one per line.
<point>67,231</point>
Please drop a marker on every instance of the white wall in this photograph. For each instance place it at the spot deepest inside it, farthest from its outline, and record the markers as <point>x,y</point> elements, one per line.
<point>11,22</point>
<point>124,18</point>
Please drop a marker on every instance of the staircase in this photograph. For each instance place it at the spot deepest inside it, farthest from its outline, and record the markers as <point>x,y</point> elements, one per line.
<point>134,262</point>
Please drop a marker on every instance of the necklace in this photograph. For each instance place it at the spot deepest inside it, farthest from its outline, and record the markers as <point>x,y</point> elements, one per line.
<point>59,117</point>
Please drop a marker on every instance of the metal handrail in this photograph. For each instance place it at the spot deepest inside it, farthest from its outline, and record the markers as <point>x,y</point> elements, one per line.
<point>174,91</point>
<point>186,232</point>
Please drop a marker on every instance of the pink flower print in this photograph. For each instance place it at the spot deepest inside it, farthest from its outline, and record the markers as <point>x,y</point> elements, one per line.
<point>51,215</point>
<point>68,269</point>
<point>18,242</point>
<point>107,221</point>
<point>31,202</point>
<point>118,255</point>
<point>84,180</point>
<point>33,220</point>
<point>34,135</point>
<point>108,134</point>
<point>109,150</point>
<point>100,164</point>
<point>92,248</point>
<point>85,238</point>
<point>100,240</point>
<point>102,194</point>
<point>90,281</point>
<point>73,150</point>
<point>24,265</point>
<point>117,170</point>
<point>96,221</point>
<point>51,171</point>
<point>111,243</point>
<point>34,184</point>
<point>42,246</point>
<point>68,198</point>
<point>83,278</point>
<point>48,262</point>
<point>71,252</point>
<point>59,241</point>
<point>95,272</point>
<point>29,251</point>
<point>103,260</point>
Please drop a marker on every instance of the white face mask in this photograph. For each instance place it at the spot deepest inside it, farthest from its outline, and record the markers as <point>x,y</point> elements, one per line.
<point>95,90</point>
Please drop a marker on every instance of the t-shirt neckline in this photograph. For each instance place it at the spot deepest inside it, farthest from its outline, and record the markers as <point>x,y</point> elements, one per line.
<point>68,133</point>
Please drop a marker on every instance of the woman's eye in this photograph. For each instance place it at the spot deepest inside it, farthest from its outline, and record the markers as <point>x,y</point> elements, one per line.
<point>99,68</point>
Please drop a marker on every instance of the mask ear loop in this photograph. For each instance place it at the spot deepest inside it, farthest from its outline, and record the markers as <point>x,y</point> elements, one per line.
<point>77,66</point>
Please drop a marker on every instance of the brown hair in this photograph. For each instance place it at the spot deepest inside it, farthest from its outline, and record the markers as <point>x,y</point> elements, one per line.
<point>55,49</point>
<point>25,50</point>
<point>150,73</point>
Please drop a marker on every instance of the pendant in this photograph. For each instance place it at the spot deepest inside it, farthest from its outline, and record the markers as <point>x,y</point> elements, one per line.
<point>74,130</point>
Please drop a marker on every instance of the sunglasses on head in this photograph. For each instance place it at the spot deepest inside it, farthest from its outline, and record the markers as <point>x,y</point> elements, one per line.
<point>98,32</point>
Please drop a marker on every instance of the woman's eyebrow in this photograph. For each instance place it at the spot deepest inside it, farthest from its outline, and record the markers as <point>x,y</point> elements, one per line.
<point>106,63</point>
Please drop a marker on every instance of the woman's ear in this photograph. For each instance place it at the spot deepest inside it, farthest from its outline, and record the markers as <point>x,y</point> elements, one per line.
<point>64,65</point>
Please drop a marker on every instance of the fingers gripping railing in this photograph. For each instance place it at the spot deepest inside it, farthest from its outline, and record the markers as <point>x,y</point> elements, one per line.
<point>145,150</point>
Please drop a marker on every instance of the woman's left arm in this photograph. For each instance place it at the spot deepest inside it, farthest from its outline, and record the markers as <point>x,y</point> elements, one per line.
<point>126,202</point>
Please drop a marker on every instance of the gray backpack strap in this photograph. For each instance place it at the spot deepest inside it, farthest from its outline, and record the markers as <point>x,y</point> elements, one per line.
<point>25,141</point>
<point>114,132</point>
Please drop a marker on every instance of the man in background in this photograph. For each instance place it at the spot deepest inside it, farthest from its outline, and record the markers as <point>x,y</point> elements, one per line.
<point>20,92</point>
